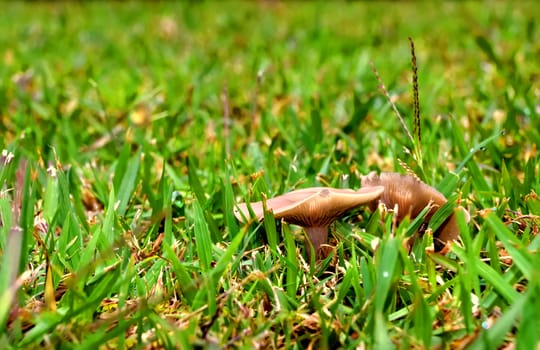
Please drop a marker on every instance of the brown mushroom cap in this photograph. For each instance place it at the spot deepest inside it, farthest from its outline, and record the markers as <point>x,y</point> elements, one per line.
<point>411,197</point>
<point>315,206</point>
<point>409,193</point>
<point>312,208</point>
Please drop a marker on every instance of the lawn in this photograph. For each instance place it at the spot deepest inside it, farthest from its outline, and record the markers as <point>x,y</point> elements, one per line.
<point>130,132</point>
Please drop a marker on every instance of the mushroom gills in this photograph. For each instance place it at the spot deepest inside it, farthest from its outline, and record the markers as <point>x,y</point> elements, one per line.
<point>312,208</point>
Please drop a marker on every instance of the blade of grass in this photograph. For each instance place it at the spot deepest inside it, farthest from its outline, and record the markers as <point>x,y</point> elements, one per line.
<point>227,258</point>
<point>128,183</point>
<point>194,182</point>
<point>168,226</point>
<point>121,165</point>
<point>102,237</point>
<point>269,223</point>
<point>202,237</point>
<point>228,207</point>
<point>291,262</point>
<point>368,276</point>
<point>494,336</point>
<point>45,323</point>
<point>387,265</point>
<point>51,197</point>
<point>510,276</point>
<point>421,314</point>
<point>185,282</point>
<point>491,276</point>
<point>475,172</point>
<point>520,255</point>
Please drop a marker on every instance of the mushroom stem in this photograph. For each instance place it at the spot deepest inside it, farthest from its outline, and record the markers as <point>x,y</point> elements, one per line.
<point>318,236</point>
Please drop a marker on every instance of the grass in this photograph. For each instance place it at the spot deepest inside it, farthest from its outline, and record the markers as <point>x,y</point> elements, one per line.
<point>131,130</point>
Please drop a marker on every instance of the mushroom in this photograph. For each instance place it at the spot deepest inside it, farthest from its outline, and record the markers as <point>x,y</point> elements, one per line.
<point>312,208</point>
<point>411,197</point>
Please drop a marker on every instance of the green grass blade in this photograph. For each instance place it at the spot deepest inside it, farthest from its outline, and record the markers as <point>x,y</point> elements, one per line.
<point>291,262</point>
<point>195,183</point>
<point>228,207</point>
<point>520,255</point>
<point>50,202</point>
<point>227,257</point>
<point>494,336</point>
<point>492,277</point>
<point>185,282</point>
<point>388,266</point>
<point>128,183</point>
<point>203,240</point>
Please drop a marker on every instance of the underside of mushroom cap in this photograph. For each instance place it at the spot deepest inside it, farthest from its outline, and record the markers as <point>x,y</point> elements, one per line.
<point>315,206</point>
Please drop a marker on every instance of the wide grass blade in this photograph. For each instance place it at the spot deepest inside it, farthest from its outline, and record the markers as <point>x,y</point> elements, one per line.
<point>421,313</point>
<point>388,271</point>
<point>494,336</point>
<point>291,262</point>
<point>519,253</point>
<point>194,181</point>
<point>496,281</point>
<point>186,284</point>
<point>203,245</point>
<point>203,239</point>
<point>228,207</point>
<point>270,229</point>
<point>127,183</point>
